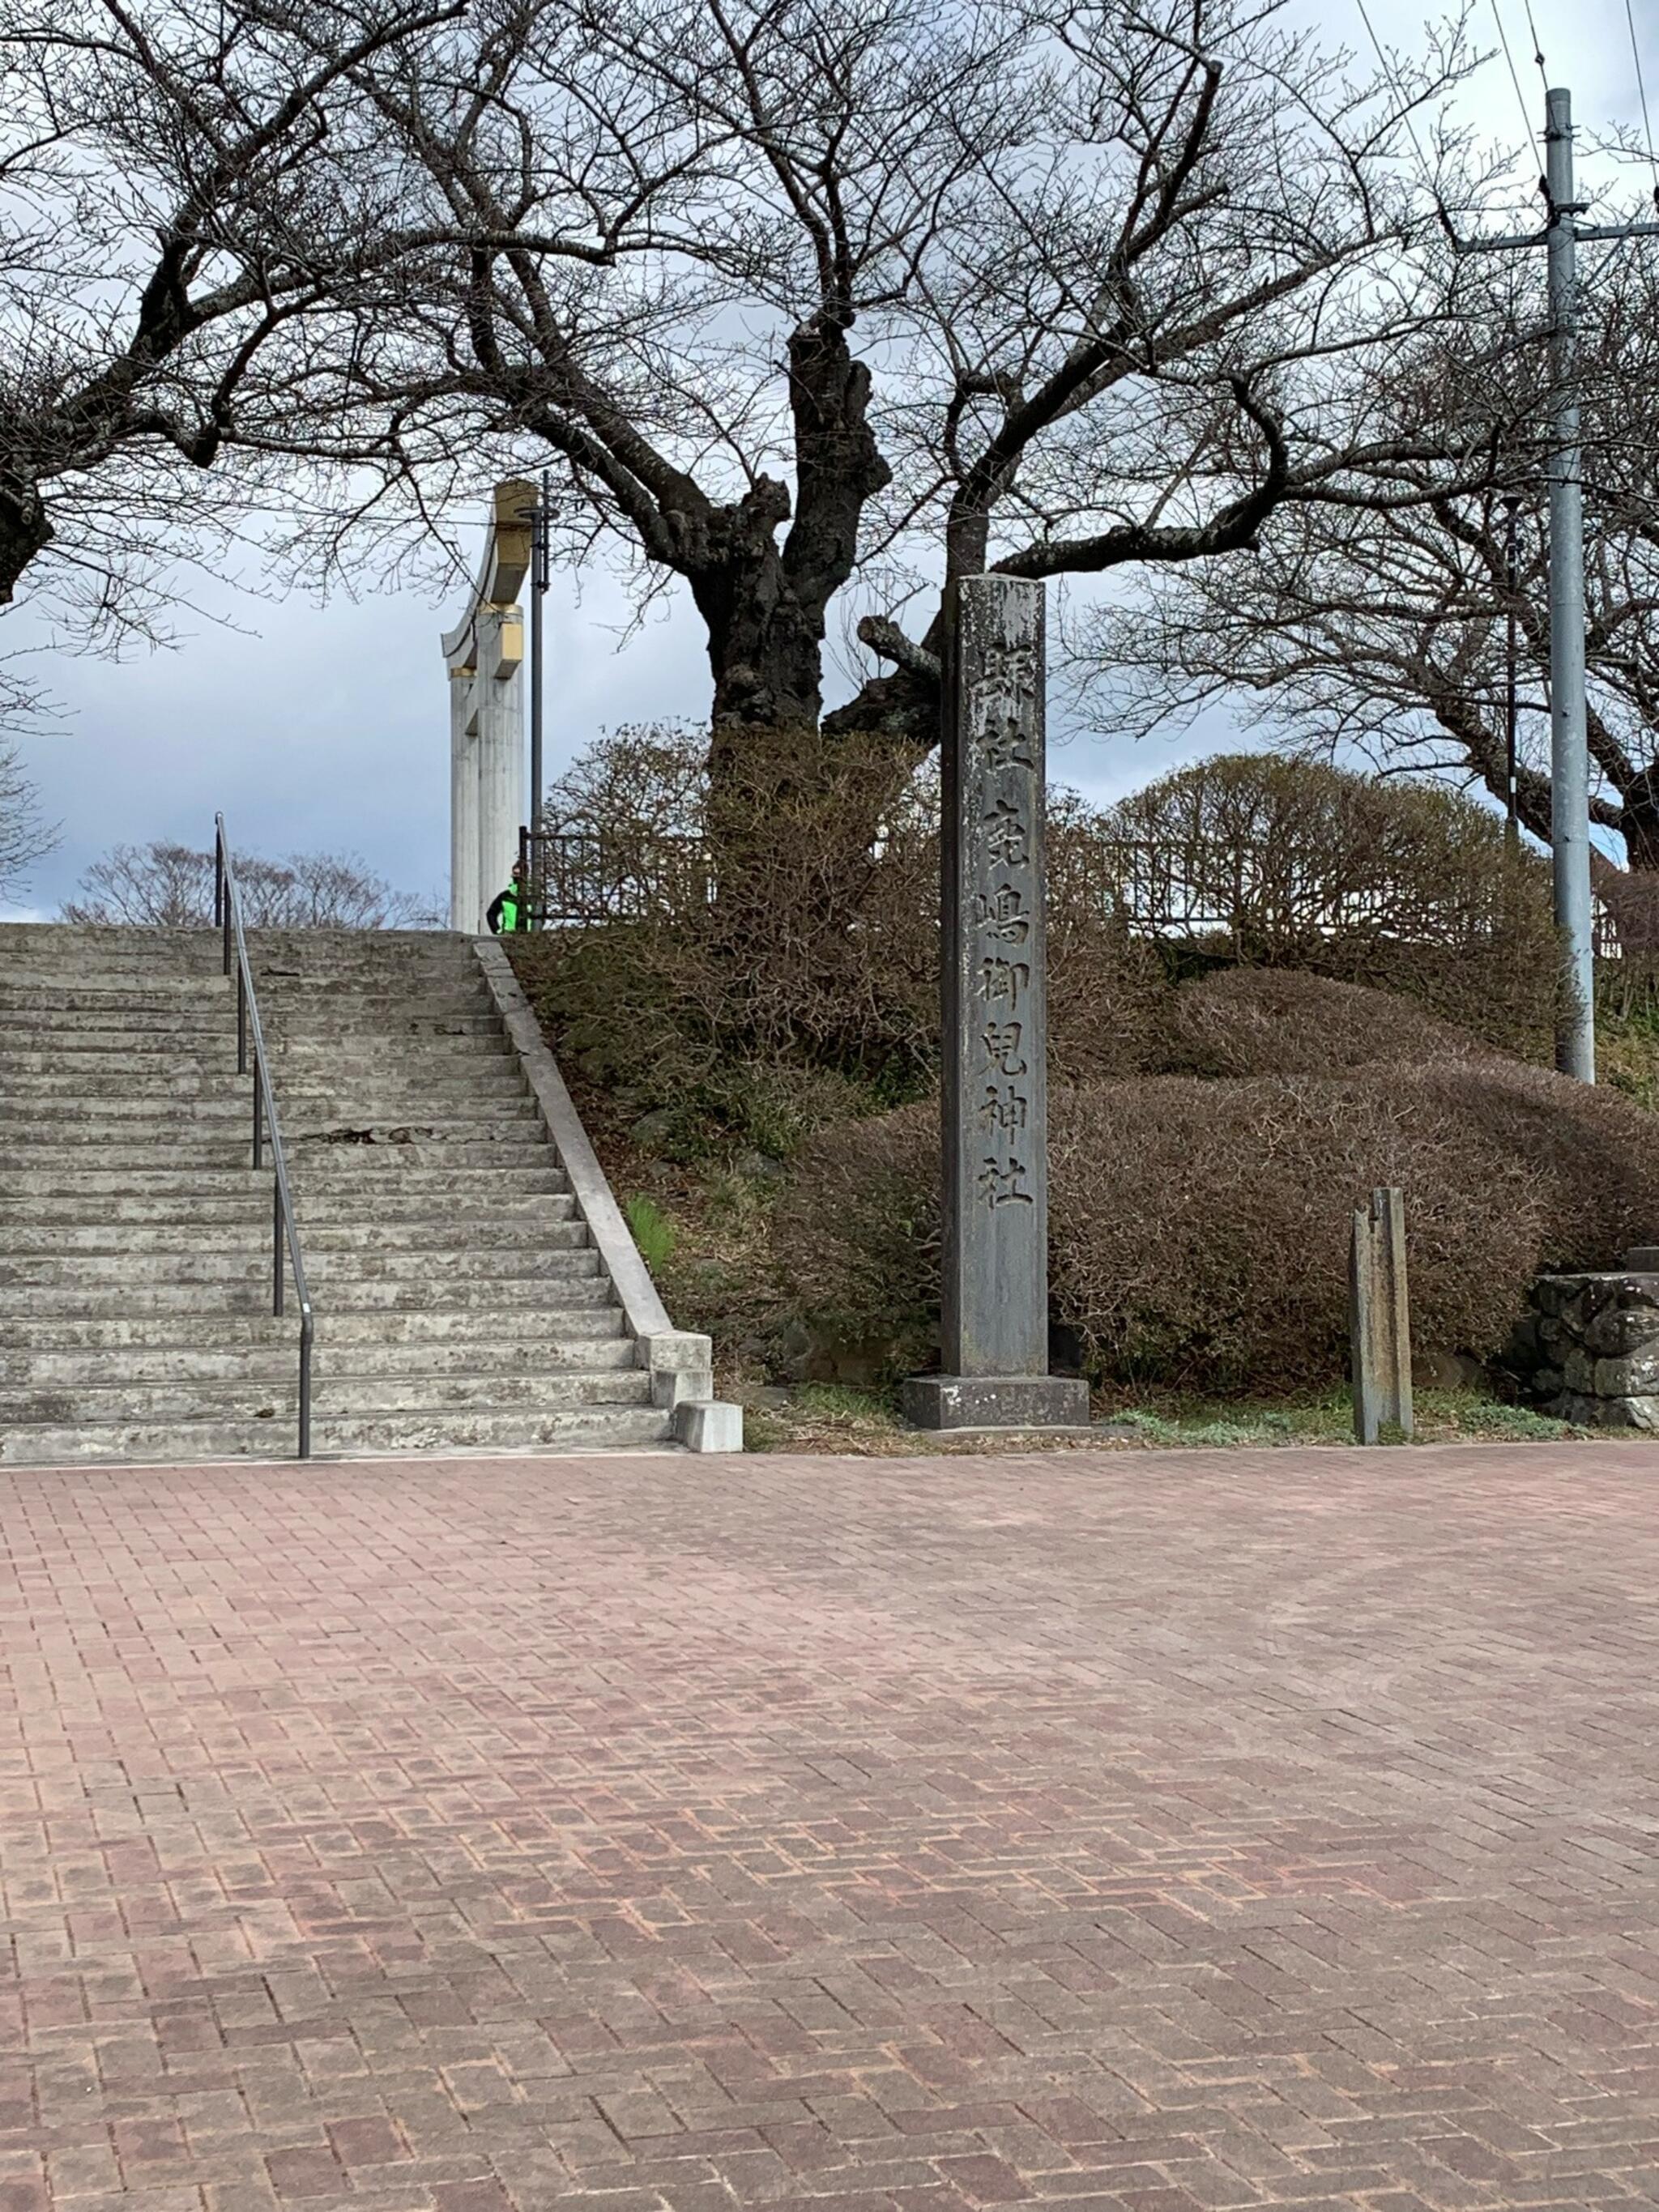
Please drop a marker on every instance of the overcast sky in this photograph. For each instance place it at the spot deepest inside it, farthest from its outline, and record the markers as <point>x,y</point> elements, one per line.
<point>327,727</point>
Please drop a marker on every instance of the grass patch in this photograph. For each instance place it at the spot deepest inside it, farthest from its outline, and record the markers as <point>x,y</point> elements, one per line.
<point>834,1416</point>
<point>652,1232</point>
<point>1324,1418</point>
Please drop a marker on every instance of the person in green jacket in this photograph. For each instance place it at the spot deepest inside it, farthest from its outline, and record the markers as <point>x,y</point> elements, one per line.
<point>509,910</point>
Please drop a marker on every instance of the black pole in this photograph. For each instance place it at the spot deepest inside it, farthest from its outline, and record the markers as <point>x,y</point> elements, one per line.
<point>1511,705</point>
<point>540,568</point>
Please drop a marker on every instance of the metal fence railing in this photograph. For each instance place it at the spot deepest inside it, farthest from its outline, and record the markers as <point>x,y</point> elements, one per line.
<point>1187,889</point>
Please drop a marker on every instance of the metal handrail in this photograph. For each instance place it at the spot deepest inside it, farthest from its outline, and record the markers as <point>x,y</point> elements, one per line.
<point>227,917</point>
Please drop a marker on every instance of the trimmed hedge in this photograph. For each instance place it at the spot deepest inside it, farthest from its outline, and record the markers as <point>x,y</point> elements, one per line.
<point>1403,886</point>
<point>1199,1229</point>
<point>1280,1021</point>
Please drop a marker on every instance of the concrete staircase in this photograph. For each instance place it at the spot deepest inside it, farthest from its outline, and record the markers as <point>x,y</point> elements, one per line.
<point>461,1299</point>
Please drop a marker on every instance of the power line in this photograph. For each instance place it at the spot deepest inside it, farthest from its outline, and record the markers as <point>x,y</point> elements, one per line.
<point>1520,97</point>
<point>1537,49</point>
<point>1404,115</point>
<point>1642,90</point>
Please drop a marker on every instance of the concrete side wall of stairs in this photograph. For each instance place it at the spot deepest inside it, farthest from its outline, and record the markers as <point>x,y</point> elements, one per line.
<point>462,1299</point>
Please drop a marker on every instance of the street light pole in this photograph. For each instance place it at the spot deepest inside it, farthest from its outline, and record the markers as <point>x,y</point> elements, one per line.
<point>538,581</point>
<point>1568,742</point>
<point>1511,698</point>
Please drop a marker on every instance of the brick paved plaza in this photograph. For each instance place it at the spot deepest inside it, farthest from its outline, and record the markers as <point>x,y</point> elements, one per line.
<point>1151,1830</point>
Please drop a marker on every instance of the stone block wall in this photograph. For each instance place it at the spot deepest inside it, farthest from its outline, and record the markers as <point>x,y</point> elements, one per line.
<point>1595,1340</point>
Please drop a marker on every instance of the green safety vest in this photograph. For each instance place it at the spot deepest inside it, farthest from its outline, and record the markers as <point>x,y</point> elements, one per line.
<point>512,913</point>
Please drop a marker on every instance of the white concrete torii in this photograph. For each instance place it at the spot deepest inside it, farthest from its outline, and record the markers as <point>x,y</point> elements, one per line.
<point>485,655</point>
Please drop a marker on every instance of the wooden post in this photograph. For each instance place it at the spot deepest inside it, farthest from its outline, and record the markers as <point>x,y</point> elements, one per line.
<point>994,1088</point>
<point>1379,1312</point>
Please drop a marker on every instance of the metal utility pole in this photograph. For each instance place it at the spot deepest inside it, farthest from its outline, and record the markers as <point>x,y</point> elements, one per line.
<point>1561,235</point>
<point>539,558</point>
<point>1569,741</point>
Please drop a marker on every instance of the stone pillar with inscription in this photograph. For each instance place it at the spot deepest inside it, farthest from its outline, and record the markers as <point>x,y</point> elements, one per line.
<point>995,1338</point>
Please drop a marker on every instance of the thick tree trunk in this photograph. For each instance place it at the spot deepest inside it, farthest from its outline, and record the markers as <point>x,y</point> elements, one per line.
<point>25,531</point>
<point>765,648</point>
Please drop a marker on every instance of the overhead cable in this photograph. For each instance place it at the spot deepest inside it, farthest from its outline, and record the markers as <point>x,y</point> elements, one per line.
<point>1527,123</point>
<point>1642,92</point>
<point>1389,71</point>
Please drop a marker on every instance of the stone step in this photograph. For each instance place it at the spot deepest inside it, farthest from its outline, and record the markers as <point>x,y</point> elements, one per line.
<point>513,1214</point>
<point>81,945</point>
<point>127,1090</point>
<point>508,1210</point>
<point>122,1084</point>
<point>348,1397</point>
<point>143,1242</point>
<point>166,943</point>
<point>385,1177</point>
<point>492,1088</point>
<point>569,1313</point>
<point>231,1107</point>
<point>214,1301</point>
<point>74,1301</point>
<point>28,1160</point>
<point>513,1142</point>
<point>453,1104</point>
<point>480,1357</point>
<point>592,1428</point>
<point>351,1270</point>
<point>157,1057</point>
<point>507,1142</point>
<point>195,1025</point>
<point>410,974</point>
<point>29,1212</point>
<point>120,971</point>
<point>137,1166</point>
<point>143,1062</point>
<point>198,1021</point>
<point>368,986</point>
<point>207,1000</point>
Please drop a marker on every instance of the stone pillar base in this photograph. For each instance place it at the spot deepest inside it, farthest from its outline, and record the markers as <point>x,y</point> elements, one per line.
<point>996,1401</point>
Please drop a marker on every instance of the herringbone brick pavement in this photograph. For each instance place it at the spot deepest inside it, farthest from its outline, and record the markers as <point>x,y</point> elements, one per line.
<point>1129,1833</point>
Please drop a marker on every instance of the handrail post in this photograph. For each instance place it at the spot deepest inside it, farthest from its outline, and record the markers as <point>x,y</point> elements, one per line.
<point>251,1045</point>
<point>304,1384</point>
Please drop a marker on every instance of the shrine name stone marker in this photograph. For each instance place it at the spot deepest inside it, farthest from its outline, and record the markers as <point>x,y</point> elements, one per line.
<point>995,1339</point>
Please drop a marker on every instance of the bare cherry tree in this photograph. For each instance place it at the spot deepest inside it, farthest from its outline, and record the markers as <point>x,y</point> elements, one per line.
<point>804,297</point>
<point>25,837</point>
<point>1388,632</point>
<point>167,886</point>
<point>167,215</point>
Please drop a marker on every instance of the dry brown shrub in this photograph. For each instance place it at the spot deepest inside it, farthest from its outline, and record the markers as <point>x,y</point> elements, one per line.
<point>819,953</point>
<point>1406,887</point>
<point>1282,1021</point>
<point>1200,1230</point>
<point>1109,993</point>
<point>1589,1153</point>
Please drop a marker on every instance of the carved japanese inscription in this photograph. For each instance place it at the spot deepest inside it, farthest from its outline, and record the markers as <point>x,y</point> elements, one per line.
<point>995,1101</point>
